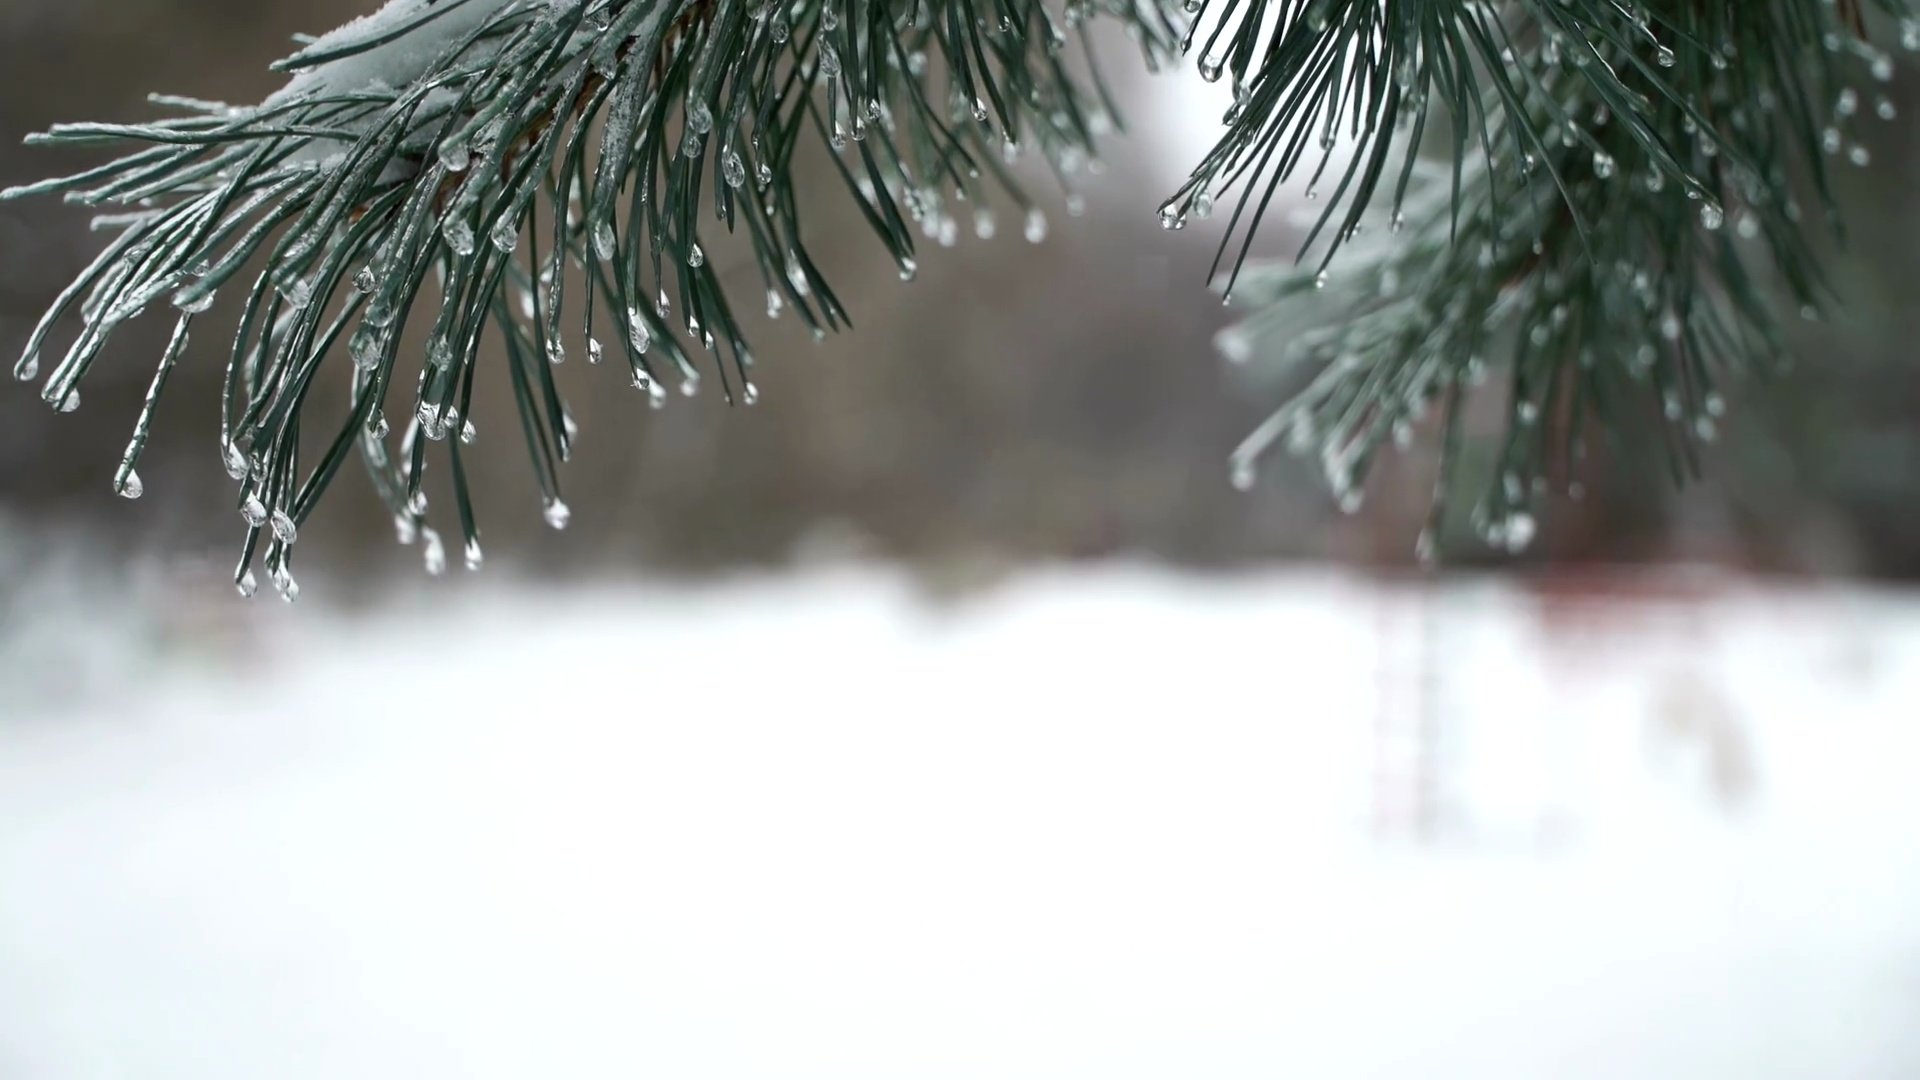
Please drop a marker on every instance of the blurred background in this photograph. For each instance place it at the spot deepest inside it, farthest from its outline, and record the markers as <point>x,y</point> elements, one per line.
<point>948,713</point>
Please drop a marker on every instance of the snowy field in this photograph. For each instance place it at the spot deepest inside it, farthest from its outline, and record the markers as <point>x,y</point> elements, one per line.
<point>1101,824</point>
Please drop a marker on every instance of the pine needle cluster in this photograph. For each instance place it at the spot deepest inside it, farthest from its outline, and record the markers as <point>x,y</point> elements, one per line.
<point>1600,200</point>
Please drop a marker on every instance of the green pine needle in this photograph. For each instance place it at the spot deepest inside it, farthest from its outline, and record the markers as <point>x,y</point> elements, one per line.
<point>1596,197</point>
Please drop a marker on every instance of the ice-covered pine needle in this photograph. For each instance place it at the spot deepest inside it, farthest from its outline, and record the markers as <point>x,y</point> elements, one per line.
<point>1598,205</point>
<point>1599,199</point>
<point>453,158</point>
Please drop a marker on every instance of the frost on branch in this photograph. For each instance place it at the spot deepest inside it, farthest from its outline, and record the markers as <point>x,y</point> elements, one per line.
<point>454,158</point>
<point>1618,193</point>
<point>1621,205</point>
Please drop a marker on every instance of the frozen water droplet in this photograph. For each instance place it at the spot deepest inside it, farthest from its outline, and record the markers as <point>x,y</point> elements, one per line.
<point>1665,57</point>
<point>235,460</point>
<point>557,514</point>
<point>595,354</point>
<point>467,433</point>
<point>193,300</point>
<point>129,486</point>
<point>1711,216</point>
<point>604,241</point>
<point>254,511</point>
<point>296,292</point>
<point>1244,475</point>
<point>283,581</point>
<point>284,529</point>
<point>505,235</point>
<point>699,117</point>
<point>434,553</point>
<point>733,169</point>
<point>459,236</point>
<point>28,368</point>
<point>366,347</point>
<point>377,427</point>
<point>751,394</point>
<point>1036,226</point>
<point>696,258</point>
<point>1519,531</point>
<point>637,330</point>
<point>474,556</point>
<point>247,585</point>
<point>908,268</point>
<point>1234,345</point>
<point>364,281</point>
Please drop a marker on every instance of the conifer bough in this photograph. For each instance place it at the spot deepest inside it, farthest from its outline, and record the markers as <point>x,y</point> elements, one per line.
<point>1597,198</point>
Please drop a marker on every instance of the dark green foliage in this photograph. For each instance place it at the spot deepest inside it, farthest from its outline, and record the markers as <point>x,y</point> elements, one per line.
<point>1620,200</point>
<point>1599,200</point>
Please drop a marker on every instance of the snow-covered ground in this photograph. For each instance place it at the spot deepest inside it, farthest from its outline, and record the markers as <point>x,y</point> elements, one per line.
<point>1103,824</point>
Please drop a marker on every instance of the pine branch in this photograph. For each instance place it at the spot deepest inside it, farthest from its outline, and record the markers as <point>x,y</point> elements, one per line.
<point>454,158</point>
<point>406,164</point>
<point>1577,236</point>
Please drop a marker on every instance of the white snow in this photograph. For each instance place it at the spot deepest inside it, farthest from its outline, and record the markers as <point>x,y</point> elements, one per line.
<point>395,63</point>
<point>1102,824</point>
